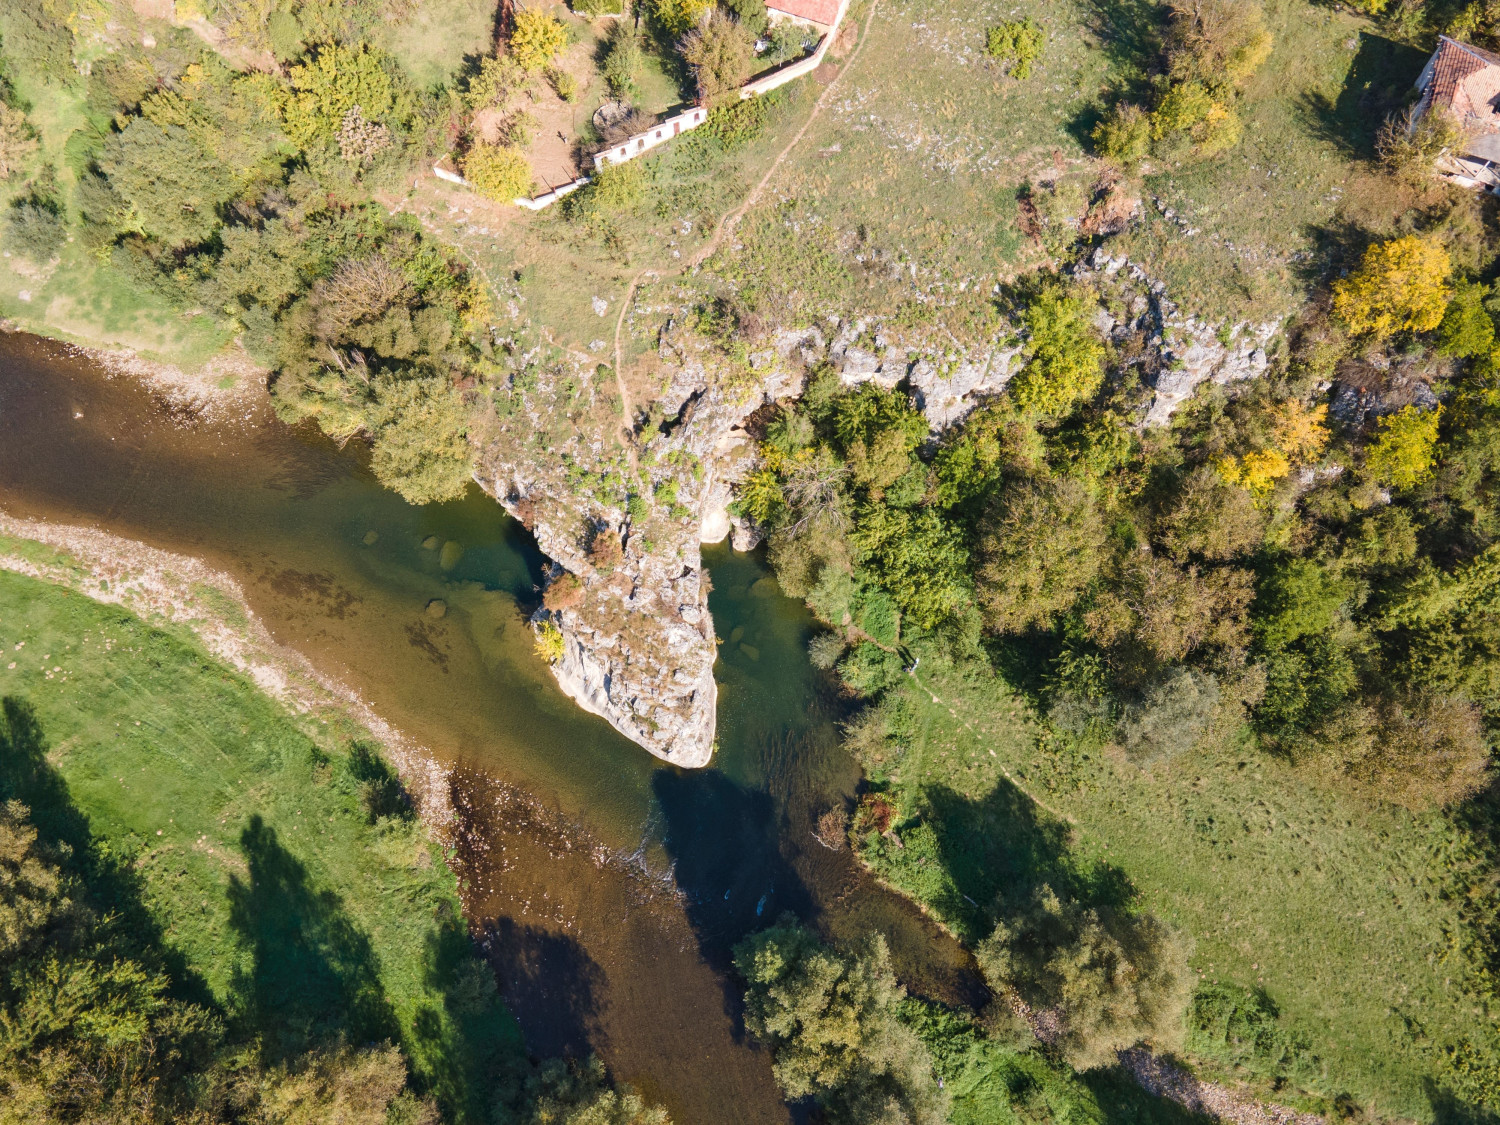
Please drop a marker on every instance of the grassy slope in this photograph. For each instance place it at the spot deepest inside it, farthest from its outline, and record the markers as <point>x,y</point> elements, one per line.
<point>171,756</point>
<point>1343,914</point>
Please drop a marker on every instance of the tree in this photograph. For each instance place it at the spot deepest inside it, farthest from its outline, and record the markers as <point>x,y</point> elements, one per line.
<point>1171,610</point>
<point>421,445</point>
<point>1420,750</point>
<point>622,63</point>
<point>1408,146</point>
<point>1040,545</point>
<point>1210,519</point>
<point>174,188</point>
<point>1066,365</point>
<point>917,557</point>
<point>1400,286</point>
<point>1115,978</point>
<point>536,39</point>
<point>1216,42</point>
<point>500,172</point>
<point>676,17</point>
<point>568,1093</point>
<point>18,141</point>
<point>1171,716</point>
<point>332,83</point>
<point>831,1022</point>
<point>1401,455</point>
<point>34,231</point>
<point>719,50</point>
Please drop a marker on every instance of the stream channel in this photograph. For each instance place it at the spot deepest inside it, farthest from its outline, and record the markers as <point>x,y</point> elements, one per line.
<point>606,886</point>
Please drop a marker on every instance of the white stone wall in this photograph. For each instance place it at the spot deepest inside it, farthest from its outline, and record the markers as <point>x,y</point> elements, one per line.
<point>658,134</point>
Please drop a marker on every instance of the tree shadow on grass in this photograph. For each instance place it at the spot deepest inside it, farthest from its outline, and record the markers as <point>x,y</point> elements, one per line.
<point>1378,84</point>
<point>314,976</point>
<point>1129,35</point>
<point>999,849</point>
<point>114,889</point>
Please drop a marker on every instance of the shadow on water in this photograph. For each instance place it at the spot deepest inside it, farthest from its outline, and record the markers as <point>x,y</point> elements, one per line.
<point>543,971</point>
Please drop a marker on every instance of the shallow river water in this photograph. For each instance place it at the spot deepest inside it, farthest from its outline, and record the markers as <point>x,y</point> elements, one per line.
<point>607,887</point>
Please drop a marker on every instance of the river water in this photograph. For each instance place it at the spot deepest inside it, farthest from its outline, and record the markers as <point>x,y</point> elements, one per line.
<point>606,886</point>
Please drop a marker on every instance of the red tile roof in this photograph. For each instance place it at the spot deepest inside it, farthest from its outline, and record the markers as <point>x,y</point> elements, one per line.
<point>815,11</point>
<point>1466,81</point>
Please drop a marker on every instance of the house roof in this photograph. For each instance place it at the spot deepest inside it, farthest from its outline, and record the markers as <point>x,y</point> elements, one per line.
<point>1465,80</point>
<point>814,11</point>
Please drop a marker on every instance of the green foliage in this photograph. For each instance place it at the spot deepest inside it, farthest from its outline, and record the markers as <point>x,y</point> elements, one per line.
<point>1040,546</point>
<point>38,38</point>
<point>676,17</point>
<point>1242,1027</point>
<point>1467,329</point>
<point>615,188</point>
<point>1118,978</point>
<point>918,557</point>
<point>1016,44</point>
<point>1171,717</point>
<point>501,172</point>
<point>34,231</point>
<point>1401,454</point>
<point>1400,286</point>
<point>622,60</point>
<point>335,81</point>
<point>421,448</point>
<point>1066,358</point>
<point>18,142</point>
<point>550,644</point>
<point>593,8</point>
<point>536,38</point>
<point>832,1023</point>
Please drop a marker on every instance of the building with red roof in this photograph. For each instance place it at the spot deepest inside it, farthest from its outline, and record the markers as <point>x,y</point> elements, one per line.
<point>1463,81</point>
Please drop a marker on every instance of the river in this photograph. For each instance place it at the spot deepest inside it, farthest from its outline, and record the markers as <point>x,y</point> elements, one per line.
<point>606,886</point>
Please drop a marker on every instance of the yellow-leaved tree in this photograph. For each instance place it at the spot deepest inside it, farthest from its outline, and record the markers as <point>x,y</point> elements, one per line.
<point>1401,454</point>
<point>536,39</point>
<point>501,172</point>
<point>1400,286</point>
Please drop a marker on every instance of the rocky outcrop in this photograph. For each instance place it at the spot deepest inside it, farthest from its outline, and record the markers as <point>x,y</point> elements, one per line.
<point>1188,352</point>
<point>627,589</point>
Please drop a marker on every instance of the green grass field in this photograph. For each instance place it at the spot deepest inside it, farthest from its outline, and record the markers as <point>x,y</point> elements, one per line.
<point>257,859</point>
<point>1348,916</point>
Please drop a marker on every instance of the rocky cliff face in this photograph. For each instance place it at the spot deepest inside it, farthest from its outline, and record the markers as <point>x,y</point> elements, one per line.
<point>627,590</point>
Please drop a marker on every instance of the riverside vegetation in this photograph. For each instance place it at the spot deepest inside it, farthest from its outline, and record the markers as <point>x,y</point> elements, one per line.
<point>1184,728</point>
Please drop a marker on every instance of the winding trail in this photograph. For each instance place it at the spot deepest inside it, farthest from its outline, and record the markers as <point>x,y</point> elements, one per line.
<point>726,224</point>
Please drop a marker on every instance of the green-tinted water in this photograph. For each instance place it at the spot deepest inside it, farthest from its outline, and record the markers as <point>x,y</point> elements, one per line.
<point>608,884</point>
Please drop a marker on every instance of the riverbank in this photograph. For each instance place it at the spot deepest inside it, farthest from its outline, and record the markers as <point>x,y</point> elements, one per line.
<point>250,822</point>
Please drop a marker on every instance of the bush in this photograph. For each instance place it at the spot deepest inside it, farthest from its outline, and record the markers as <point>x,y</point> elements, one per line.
<point>676,17</point>
<point>18,142</point>
<point>1220,43</point>
<point>1016,44</point>
<point>1420,751</point>
<point>1172,716</point>
<point>34,231</point>
<point>1066,364</point>
<point>570,1093</point>
<point>335,81</point>
<point>549,644</point>
<point>1114,978</point>
<point>592,8</point>
<point>1243,1028</point>
<point>1124,135</point>
<point>1040,545</point>
<point>1408,146</point>
<point>536,39</point>
<point>1467,329</point>
<point>622,62</point>
<point>564,83</point>
<point>1400,286</point>
<point>614,188</point>
<point>421,445</point>
<point>500,172</point>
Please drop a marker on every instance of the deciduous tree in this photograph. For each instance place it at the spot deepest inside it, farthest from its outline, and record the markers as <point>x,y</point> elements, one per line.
<point>1400,286</point>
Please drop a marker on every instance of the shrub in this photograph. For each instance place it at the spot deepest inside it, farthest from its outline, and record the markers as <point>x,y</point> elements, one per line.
<point>1216,42</point>
<point>549,644</point>
<point>1115,978</point>
<point>18,141</point>
<point>623,61</point>
<point>614,188</point>
<point>34,231</point>
<point>1400,286</point>
<point>536,39</point>
<point>831,1021</point>
<point>1401,455</point>
<point>1408,146</point>
<point>592,8</point>
<point>570,1093</point>
<point>1467,328</point>
<point>1420,751</point>
<point>1242,1027</point>
<point>1124,135</point>
<point>719,50</point>
<point>500,172</point>
<point>1172,716</point>
<point>1016,44</point>
<point>564,83</point>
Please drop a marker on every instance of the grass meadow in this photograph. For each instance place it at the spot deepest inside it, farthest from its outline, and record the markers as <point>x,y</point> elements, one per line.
<point>290,905</point>
<point>1348,916</point>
